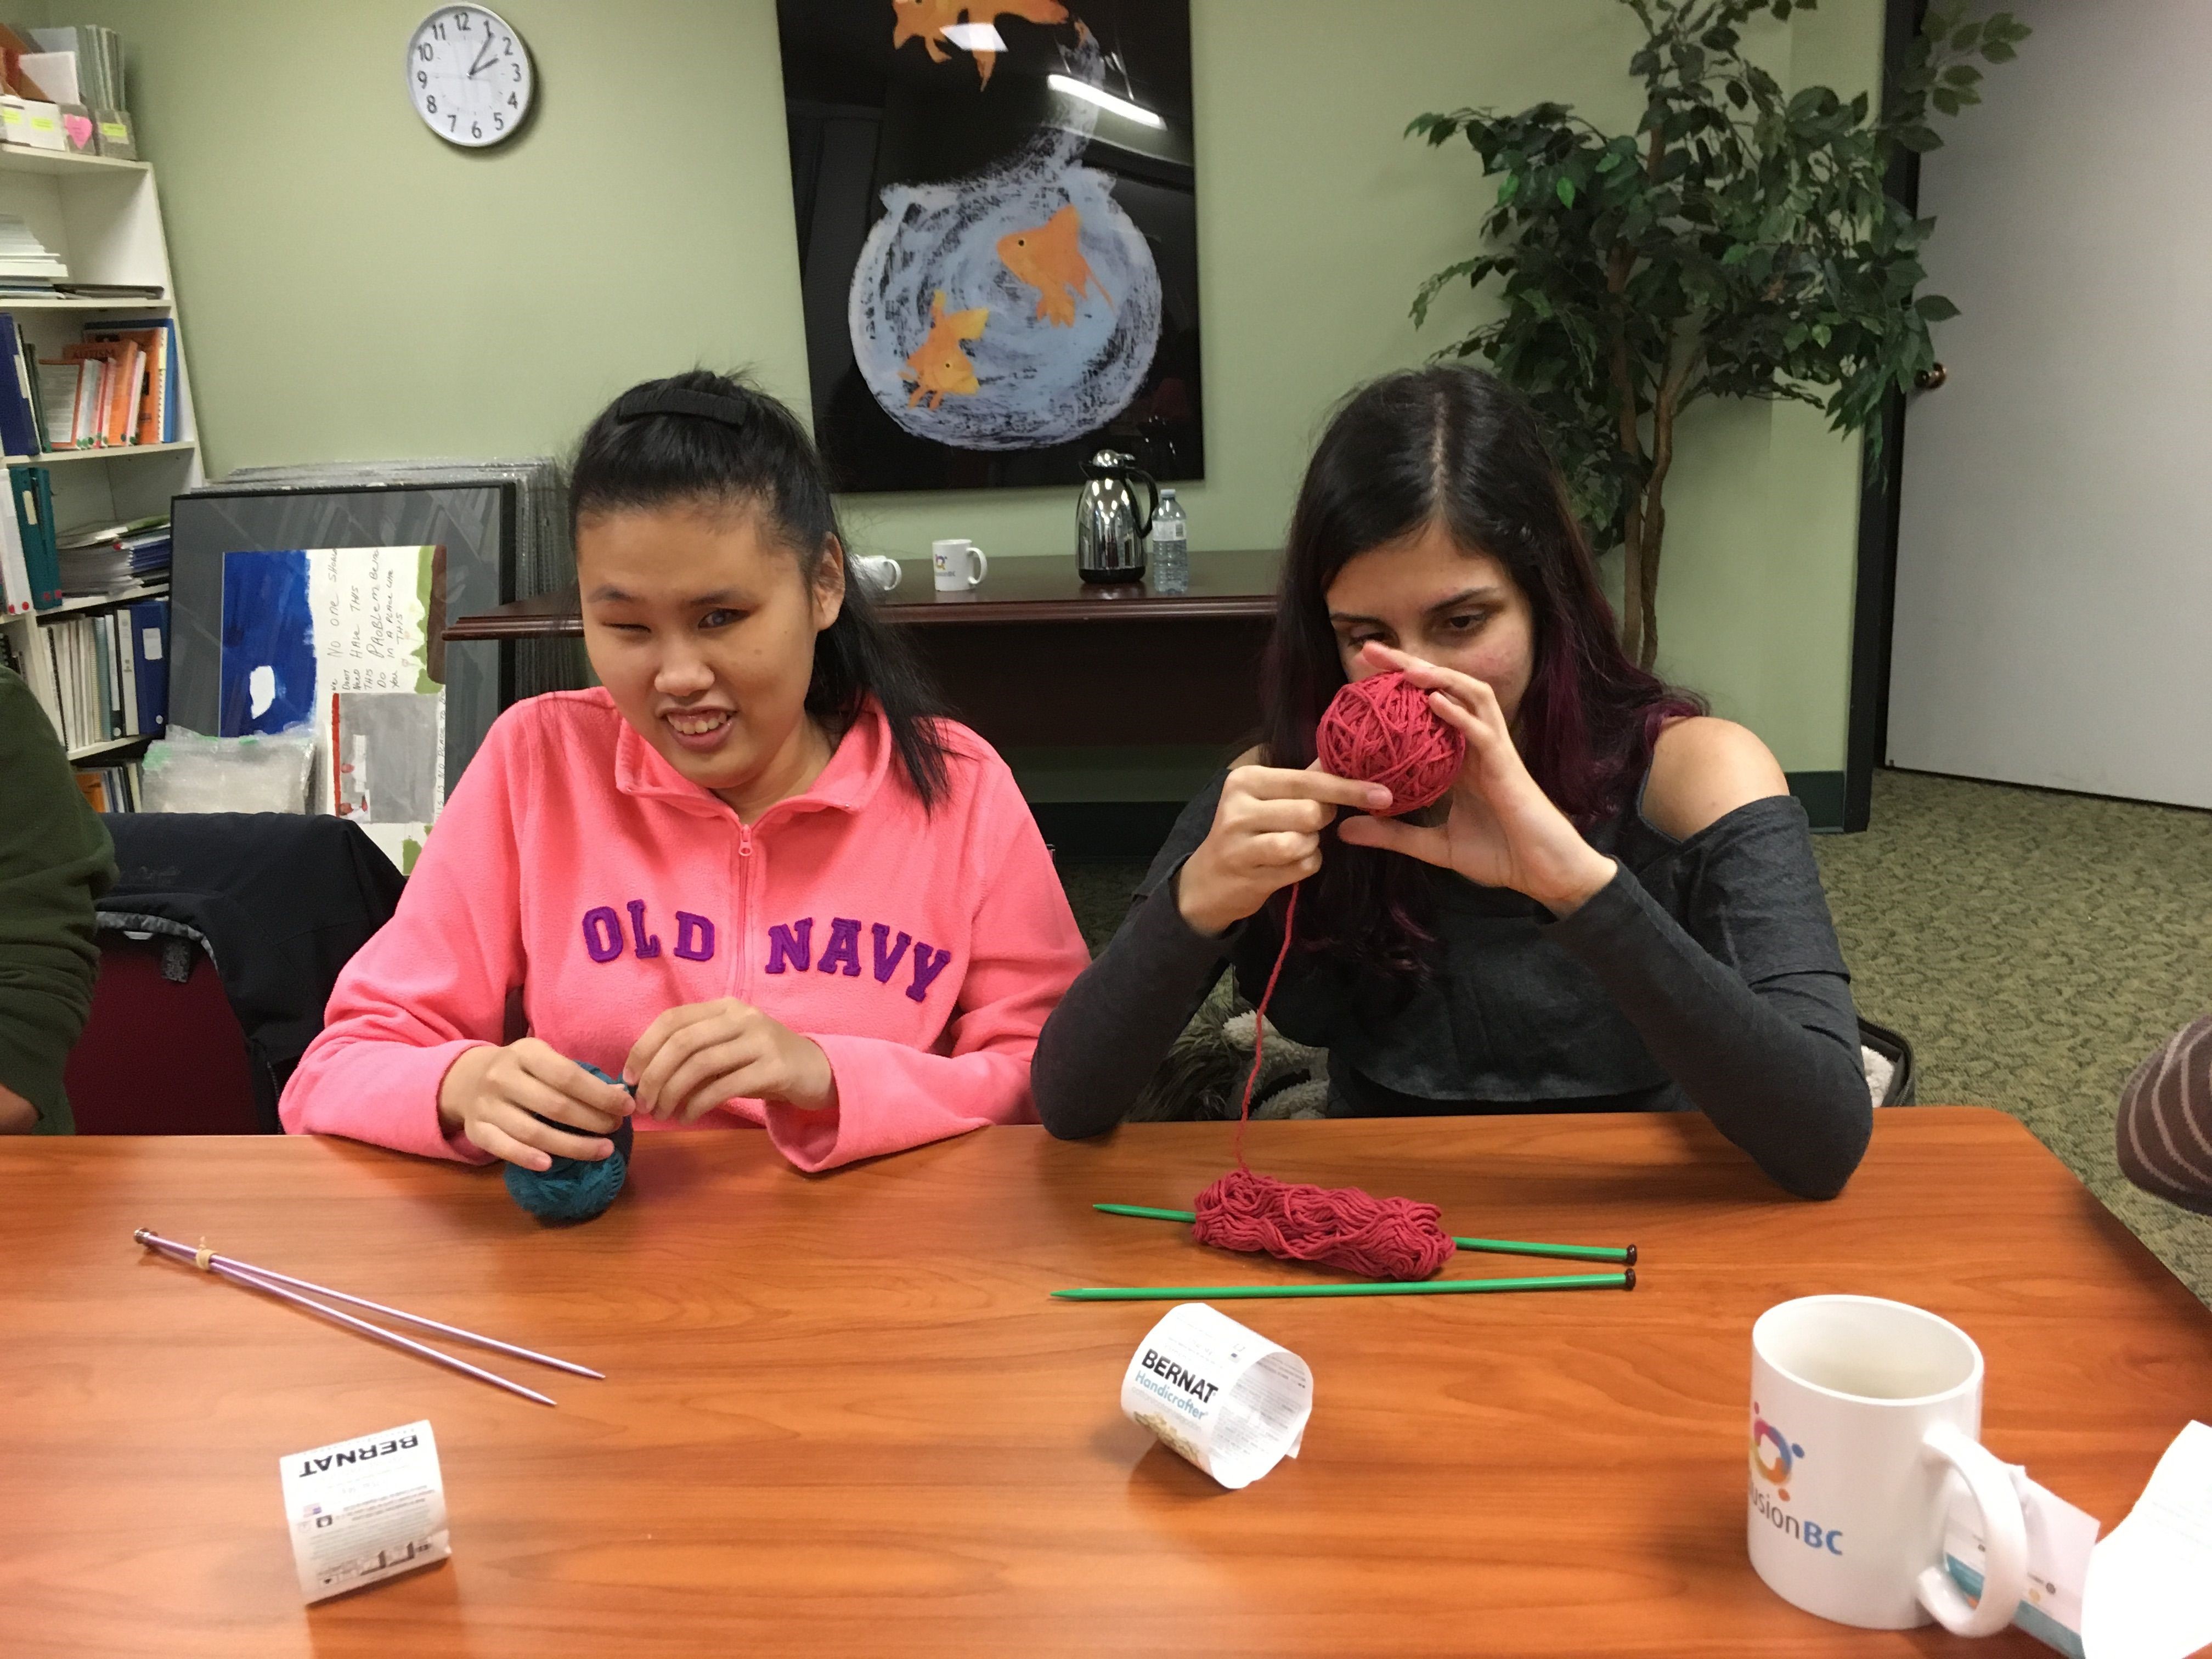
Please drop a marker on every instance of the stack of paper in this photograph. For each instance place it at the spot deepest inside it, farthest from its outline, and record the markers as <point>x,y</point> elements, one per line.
<point>113,558</point>
<point>99,54</point>
<point>27,265</point>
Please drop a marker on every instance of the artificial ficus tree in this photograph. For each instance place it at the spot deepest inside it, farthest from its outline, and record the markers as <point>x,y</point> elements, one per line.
<point>1739,243</point>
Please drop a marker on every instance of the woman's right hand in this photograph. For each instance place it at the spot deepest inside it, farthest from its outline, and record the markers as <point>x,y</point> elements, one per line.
<point>1266,835</point>
<point>490,1094</point>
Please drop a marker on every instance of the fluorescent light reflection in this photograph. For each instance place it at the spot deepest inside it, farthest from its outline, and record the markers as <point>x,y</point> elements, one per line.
<point>1104,100</point>
<point>974,37</point>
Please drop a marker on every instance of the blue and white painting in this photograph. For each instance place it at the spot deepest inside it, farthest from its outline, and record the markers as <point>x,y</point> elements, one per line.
<point>335,640</point>
<point>268,643</point>
<point>1009,246</point>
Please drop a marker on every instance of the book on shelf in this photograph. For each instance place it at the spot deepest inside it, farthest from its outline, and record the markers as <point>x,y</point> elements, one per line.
<point>103,676</point>
<point>121,388</point>
<point>157,337</point>
<point>118,788</point>
<point>117,385</point>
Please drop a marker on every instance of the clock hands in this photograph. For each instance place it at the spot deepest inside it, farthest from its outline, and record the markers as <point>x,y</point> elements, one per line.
<point>481,59</point>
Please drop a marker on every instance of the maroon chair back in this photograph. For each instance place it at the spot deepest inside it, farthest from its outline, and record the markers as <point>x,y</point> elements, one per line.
<point>204,1085</point>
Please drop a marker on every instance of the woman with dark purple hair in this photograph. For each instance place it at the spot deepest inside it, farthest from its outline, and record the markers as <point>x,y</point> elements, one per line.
<point>1615,908</point>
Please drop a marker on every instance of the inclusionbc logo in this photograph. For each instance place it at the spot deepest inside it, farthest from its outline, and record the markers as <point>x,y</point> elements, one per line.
<point>1773,1458</point>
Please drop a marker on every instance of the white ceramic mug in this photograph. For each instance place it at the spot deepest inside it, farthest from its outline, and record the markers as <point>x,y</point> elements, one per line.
<point>959,564</point>
<point>883,574</point>
<point>1862,1411</point>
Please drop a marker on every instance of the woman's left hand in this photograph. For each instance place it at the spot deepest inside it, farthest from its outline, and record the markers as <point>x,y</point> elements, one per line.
<point>1503,830</point>
<point>697,1057</point>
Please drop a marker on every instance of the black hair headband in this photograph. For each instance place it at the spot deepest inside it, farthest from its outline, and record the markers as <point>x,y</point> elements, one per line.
<point>656,397</point>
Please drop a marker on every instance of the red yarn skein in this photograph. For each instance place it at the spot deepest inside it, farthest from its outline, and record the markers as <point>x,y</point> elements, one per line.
<point>1334,1226</point>
<point>1381,730</point>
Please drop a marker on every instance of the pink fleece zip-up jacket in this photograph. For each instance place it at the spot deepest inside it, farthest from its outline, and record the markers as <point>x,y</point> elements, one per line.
<point>575,866</point>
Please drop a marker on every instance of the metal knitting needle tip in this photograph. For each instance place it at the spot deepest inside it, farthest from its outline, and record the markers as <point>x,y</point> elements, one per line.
<point>168,1247</point>
<point>186,1253</point>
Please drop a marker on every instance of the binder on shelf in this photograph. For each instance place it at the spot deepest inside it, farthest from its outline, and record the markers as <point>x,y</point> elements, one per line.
<point>110,707</point>
<point>19,425</point>
<point>33,488</point>
<point>14,572</point>
<point>149,628</point>
<point>126,665</point>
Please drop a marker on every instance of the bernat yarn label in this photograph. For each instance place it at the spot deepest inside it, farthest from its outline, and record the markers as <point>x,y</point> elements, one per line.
<point>1219,1396</point>
<point>364,1511</point>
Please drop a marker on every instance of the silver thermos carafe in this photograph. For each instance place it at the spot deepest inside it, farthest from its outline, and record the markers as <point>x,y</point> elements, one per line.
<point>1110,531</point>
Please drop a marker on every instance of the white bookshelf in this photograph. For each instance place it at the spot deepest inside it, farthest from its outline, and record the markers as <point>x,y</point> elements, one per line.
<point>112,452</point>
<point>103,217</point>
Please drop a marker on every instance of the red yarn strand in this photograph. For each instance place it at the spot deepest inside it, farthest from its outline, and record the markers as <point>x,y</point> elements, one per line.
<point>1259,1025</point>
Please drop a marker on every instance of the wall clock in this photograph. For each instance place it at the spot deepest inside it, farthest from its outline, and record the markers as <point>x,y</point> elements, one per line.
<point>469,76</point>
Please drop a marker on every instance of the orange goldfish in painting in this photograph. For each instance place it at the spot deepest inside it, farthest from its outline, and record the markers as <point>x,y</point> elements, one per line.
<point>925,20</point>
<point>938,366</point>
<point>1048,260</point>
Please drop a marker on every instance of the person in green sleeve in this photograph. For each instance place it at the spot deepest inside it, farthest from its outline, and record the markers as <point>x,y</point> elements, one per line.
<point>55,859</point>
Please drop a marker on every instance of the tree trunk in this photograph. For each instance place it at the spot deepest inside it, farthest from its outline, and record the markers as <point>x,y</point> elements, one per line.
<point>1645,648</point>
<point>1632,584</point>
<point>1643,599</point>
<point>1639,549</point>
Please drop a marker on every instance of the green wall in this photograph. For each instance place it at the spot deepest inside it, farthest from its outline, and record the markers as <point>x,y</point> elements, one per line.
<point>352,288</point>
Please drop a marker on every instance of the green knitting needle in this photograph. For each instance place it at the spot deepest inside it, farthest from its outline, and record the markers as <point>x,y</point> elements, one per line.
<point>1619,1281</point>
<point>1493,1246</point>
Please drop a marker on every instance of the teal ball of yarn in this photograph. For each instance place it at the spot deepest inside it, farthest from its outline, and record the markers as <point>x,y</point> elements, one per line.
<point>575,1189</point>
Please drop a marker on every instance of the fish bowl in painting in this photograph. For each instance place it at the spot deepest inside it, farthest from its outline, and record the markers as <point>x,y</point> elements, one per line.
<point>997,223</point>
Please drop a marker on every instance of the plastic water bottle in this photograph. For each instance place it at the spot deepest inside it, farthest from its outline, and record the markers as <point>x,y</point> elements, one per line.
<point>1170,547</point>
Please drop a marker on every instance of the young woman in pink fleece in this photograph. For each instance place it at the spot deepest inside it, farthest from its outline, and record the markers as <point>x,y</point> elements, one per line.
<point>752,876</point>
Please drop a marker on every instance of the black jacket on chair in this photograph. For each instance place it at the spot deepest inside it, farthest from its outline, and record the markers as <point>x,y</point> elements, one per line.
<point>280,902</point>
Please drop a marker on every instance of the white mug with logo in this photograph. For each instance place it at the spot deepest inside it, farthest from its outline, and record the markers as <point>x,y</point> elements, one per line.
<point>959,564</point>
<point>883,573</point>
<point>1862,1411</point>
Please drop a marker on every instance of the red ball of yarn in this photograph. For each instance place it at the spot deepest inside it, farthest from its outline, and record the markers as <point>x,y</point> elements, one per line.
<point>1394,1238</point>
<point>1381,730</point>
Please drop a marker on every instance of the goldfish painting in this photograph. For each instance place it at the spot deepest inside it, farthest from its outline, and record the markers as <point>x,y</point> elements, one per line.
<point>1056,365</point>
<point>938,366</point>
<point>1046,257</point>
<point>926,21</point>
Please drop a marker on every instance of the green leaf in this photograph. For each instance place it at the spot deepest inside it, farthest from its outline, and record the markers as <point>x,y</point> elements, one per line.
<point>1935,308</point>
<point>1566,190</point>
<point>1962,75</point>
<point>1963,37</point>
<point>1997,51</point>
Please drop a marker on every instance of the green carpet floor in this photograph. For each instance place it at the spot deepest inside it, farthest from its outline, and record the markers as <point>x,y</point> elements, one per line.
<point>2033,946</point>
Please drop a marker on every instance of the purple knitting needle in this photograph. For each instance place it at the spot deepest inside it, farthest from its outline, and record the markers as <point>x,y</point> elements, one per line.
<point>170,1247</point>
<point>185,1253</point>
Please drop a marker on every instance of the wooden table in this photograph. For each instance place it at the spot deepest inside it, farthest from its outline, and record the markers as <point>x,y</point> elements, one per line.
<point>842,1418</point>
<point>1036,656</point>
